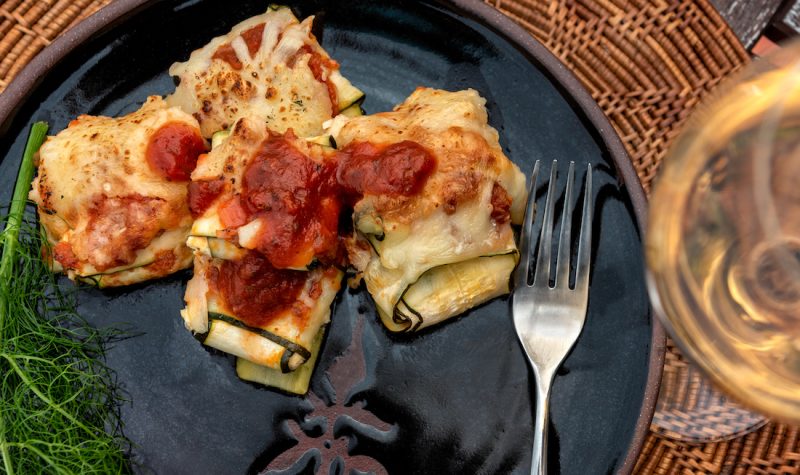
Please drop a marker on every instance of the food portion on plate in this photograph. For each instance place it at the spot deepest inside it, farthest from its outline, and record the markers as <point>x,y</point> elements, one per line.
<point>268,258</point>
<point>272,319</point>
<point>297,188</point>
<point>266,192</point>
<point>112,194</point>
<point>269,68</point>
<point>431,255</point>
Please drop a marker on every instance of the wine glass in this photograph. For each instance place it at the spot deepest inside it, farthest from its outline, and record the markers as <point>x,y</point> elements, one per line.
<point>723,252</point>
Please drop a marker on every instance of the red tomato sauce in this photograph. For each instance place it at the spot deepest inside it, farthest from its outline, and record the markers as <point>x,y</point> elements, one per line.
<point>228,54</point>
<point>317,63</point>
<point>400,169</point>
<point>173,150</point>
<point>290,193</point>
<point>202,193</point>
<point>232,214</point>
<point>252,38</point>
<point>255,291</point>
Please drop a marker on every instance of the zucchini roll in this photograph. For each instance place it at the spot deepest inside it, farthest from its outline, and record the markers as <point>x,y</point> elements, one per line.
<point>269,68</point>
<point>273,319</point>
<point>268,257</point>
<point>433,254</point>
<point>111,194</point>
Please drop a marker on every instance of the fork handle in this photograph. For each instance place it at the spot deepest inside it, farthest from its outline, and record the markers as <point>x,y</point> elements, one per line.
<point>539,459</point>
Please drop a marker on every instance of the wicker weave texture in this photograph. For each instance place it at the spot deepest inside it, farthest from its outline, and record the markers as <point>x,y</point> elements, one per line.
<point>772,450</point>
<point>646,62</point>
<point>27,26</point>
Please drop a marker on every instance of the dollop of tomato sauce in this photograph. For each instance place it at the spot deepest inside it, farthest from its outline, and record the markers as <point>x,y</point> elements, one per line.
<point>255,291</point>
<point>290,193</point>
<point>318,63</point>
<point>399,169</point>
<point>173,150</point>
<point>202,193</point>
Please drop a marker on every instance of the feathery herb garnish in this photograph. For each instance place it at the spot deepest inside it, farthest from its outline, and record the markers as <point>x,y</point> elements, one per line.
<point>58,399</point>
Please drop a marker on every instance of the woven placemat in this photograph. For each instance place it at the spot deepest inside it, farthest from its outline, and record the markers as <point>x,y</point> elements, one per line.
<point>646,62</point>
<point>27,26</point>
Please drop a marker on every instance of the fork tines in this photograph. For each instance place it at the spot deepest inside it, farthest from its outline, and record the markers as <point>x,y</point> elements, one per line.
<point>543,257</point>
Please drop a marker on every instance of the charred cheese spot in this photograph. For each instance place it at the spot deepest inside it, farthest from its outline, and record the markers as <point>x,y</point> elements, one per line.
<point>501,204</point>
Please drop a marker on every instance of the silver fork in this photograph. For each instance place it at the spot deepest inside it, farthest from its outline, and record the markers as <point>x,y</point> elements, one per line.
<point>548,319</point>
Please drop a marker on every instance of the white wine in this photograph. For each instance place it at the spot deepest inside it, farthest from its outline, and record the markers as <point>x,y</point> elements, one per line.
<point>723,244</point>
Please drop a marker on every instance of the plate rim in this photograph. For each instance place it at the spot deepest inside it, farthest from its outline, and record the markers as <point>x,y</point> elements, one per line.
<point>31,76</point>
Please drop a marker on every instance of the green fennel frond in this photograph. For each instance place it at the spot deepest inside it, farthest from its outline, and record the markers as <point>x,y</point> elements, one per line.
<point>59,402</point>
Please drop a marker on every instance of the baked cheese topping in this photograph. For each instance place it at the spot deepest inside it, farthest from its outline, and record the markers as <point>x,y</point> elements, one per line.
<point>270,69</point>
<point>111,194</point>
<point>428,256</point>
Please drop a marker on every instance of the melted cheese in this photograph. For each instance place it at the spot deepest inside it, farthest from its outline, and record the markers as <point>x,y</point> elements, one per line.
<point>100,202</point>
<point>275,85</point>
<point>414,239</point>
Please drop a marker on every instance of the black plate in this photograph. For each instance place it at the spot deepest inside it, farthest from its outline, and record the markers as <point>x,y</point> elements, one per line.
<point>454,399</point>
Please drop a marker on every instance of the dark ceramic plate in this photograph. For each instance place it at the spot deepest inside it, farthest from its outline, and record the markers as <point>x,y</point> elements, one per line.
<point>455,399</point>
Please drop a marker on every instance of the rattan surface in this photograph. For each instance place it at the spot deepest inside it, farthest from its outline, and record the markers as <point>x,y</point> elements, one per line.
<point>646,62</point>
